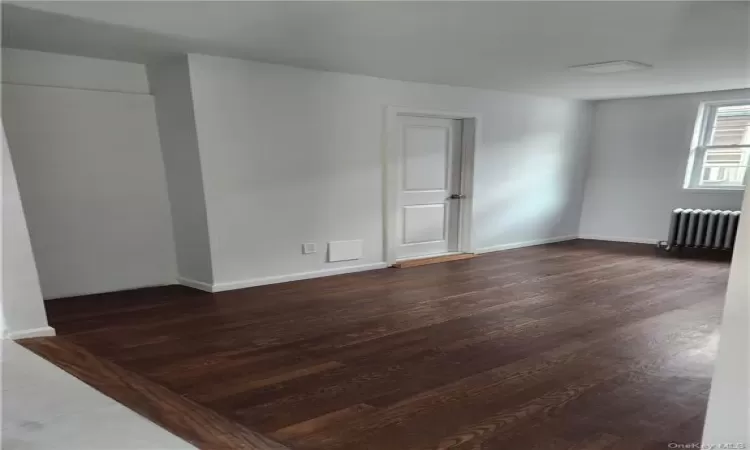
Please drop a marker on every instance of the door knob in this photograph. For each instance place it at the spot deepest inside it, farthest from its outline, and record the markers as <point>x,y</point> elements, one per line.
<point>457,196</point>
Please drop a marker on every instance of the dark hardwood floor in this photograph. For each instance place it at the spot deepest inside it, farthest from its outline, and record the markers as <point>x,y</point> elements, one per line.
<point>577,345</point>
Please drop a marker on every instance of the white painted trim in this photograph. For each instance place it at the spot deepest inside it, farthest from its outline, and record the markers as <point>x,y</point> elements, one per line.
<point>195,284</point>
<point>620,239</point>
<point>715,190</point>
<point>699,145</point>
<point>470,130</point>
<point>228,286</point>
<point>219,287</point>
<point>497,248</point>
<point>30,333</point>
<point>469,143</point>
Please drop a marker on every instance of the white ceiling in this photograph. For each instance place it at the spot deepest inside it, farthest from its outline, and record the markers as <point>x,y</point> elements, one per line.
<point>514,46</point>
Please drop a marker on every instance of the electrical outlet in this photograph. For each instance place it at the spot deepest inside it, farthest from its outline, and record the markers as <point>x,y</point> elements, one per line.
<point>308,248</point>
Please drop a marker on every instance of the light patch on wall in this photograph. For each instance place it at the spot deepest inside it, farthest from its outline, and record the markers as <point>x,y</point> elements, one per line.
<point>537,171</point>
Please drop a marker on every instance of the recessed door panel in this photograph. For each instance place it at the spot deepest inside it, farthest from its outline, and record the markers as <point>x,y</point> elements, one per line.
<point>424,223</point>
<point>426,151</point>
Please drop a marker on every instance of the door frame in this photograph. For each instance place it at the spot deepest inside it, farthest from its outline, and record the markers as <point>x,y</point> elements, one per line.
<point>392,161</point>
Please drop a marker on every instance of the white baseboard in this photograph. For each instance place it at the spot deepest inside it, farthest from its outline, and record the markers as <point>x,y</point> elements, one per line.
<point>195,284</point>
<point>30,333</point>
<point>231,285</point>
<point>619,239</point>
<point>497,248</point>
<point>219,287</point>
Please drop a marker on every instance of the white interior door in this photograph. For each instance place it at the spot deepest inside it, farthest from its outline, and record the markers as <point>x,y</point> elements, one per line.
<point>430,166</point>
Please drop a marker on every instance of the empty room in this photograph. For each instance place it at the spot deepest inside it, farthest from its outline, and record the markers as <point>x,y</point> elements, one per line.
<point>375,225</point>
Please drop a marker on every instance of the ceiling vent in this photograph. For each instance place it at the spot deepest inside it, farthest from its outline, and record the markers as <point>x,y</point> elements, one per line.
<point>611,67</point>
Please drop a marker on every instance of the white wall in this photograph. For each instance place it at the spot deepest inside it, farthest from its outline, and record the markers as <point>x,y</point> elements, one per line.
<point>728,416</point>
<point>170,83</point>
<point>22,306</point>
<point>90,173</point>
<point>640,149</point>
<point>292,156</point>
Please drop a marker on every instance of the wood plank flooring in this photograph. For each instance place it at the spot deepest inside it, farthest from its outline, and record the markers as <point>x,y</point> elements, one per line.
<point>576,345</point>
<point>199,425</point>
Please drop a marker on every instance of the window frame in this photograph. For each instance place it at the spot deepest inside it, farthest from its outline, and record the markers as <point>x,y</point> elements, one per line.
<point>703,126</point>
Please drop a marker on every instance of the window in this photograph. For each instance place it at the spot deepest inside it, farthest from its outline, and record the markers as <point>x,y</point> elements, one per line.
<point>721,147</point>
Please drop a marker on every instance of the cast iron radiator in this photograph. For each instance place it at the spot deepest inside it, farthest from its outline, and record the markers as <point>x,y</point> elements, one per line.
<point>702,228</point>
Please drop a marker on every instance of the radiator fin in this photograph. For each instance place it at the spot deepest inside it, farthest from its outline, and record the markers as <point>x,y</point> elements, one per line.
<point>734,218</point>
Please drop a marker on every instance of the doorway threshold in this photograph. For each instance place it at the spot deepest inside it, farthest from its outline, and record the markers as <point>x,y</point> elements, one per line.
<point>432,260</point>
